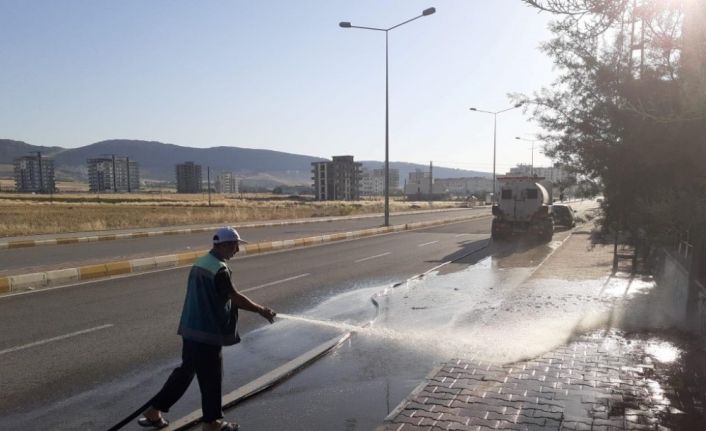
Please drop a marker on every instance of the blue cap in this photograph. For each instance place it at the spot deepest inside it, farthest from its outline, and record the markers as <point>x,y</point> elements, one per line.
<point>227,234</point>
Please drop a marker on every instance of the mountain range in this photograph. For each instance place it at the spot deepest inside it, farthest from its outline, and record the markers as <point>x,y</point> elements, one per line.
<point>157,160</point>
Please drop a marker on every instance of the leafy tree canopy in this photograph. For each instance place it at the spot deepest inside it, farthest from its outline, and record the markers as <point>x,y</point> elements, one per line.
<point>628,109</point>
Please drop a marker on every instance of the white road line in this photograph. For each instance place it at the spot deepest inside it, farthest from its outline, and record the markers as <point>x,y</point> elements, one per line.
<point>427,243</point>
<point>60,337</point>
<point>463,234</point>
<point>371,257</point>
<point>272,283</point>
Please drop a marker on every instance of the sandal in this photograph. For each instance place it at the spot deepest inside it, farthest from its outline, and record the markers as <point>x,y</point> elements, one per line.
<point>228,426</point>
<point>151,423</point>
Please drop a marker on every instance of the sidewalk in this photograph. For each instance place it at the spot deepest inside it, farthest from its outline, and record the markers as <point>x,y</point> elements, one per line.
<point>618,366</point>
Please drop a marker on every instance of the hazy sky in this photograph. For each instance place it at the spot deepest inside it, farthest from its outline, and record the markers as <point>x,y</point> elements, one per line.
<point>273,74</point>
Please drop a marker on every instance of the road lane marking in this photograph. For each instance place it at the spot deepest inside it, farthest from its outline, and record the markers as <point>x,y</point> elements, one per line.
<point>372,257</point>
<point>60,337</point>
<point>272,283</point>
<point>428,243</point>
<point>463,234</point>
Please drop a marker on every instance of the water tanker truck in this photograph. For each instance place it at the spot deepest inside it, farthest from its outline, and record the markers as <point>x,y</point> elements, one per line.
<point>523,206</point>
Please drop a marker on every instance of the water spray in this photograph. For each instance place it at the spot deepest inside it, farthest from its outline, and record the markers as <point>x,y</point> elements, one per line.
<point>329,323</point>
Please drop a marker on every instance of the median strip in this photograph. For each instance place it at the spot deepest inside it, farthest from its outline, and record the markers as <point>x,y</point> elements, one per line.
<point>144,234</point>
<point>16,283</point>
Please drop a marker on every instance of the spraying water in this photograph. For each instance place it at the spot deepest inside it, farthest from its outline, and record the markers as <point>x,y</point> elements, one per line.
<point>331,324</point>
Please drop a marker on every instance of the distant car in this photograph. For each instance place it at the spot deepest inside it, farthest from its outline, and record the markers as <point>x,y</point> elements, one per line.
<point>563,215</point>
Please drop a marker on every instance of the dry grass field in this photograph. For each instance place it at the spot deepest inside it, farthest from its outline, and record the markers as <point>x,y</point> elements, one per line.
<point>27,214</point>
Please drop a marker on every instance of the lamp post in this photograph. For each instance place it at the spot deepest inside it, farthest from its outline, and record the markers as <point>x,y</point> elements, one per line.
<point>345,24</point>
<point>532,141</point>
<point>495,134</point>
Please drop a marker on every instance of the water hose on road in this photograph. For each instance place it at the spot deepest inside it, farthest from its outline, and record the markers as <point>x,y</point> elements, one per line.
<point>259,386</point>
<point>132,415</point>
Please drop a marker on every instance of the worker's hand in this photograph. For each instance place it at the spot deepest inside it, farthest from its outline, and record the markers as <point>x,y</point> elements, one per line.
<point>268,314</point>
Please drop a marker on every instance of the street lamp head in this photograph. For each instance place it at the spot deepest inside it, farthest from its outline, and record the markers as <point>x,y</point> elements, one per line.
<point>517,137</point>
<point>517,105</point>
<point>473,109</point>
<point>344,24</point>
<point>427,12</point>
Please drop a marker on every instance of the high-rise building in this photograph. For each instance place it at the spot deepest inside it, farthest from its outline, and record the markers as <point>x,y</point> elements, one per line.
<point>34,174</point>
<point>188,176</point>
<point>113,174</point>
<point>337,180</point>
<point>227,183</point>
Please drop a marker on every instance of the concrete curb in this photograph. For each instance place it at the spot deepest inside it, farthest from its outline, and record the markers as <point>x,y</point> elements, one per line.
<point>145,234</point>
<point>15,283</point>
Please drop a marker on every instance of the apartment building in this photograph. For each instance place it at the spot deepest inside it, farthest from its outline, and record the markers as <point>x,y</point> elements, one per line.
<point>113,174</point>
<point>188,176</point>
<point>227,183</point>
<point>34,174</point>
<point>338,179</point>
<point>372,182</point>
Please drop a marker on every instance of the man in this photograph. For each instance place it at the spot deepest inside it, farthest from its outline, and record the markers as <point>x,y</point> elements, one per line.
<point>209,320</point>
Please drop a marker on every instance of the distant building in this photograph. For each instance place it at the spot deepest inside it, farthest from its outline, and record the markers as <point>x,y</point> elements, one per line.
<point>465,186</point>
<point>418,186</point>
<point>34,174</point>
<point>372,183</point>
<point>227,183</point>
<point>337,180</point>
<point>551,176</point>
<point>188,176</point>
<point>552,173</point>
<point>113,174</point>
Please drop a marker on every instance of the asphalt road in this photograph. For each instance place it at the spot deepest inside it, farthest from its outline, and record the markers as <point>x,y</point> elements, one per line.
<point>43,258</point>
<point>58,343</point>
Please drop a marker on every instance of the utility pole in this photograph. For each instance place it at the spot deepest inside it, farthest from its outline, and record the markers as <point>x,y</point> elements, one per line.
<point>41,180</point>
<point>127,165</point>
<point>115,186</point>
<point>208,175</point>
<point>431,183</point>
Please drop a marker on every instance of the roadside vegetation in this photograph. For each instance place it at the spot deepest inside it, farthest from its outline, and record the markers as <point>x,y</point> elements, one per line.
<point>27,214</point>
<point>627,114</point>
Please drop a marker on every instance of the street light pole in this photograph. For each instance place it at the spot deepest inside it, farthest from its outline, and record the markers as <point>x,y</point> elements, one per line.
<point>345,24</point>
<point>495,135</point>
<point>387,132</point>
<point>532,141</point>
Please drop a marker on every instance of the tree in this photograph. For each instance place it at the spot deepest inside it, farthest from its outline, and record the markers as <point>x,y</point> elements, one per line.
<point>628,109</point>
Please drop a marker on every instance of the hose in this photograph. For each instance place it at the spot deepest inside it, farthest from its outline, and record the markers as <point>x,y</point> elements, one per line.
<point>132,415</point>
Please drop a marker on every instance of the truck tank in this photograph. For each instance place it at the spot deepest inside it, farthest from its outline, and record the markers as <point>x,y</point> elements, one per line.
<point>523,206</point>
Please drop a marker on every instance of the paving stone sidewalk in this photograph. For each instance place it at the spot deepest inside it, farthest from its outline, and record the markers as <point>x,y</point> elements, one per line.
<point>607,379</point>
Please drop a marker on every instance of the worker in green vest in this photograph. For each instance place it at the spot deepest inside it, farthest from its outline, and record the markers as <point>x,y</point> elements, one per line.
<point>209,321</point>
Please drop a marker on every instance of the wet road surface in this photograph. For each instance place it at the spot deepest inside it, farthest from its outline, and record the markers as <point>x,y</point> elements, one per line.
<point>494,311</point>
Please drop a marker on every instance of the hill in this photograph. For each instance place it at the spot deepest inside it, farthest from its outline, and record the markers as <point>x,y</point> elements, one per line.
<point>10,150</point>
<point>438,171</point>
<point>157,161</point>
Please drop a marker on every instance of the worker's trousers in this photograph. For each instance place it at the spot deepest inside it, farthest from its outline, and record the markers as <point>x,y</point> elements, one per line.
<point>206,362</point>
